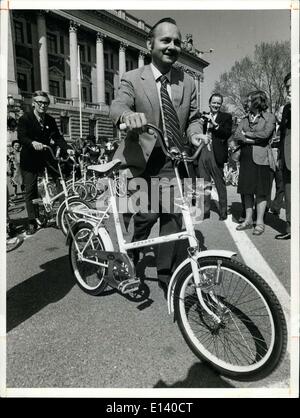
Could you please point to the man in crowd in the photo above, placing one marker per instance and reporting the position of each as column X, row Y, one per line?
column 166, row 97
column 285, row 157
column 36, row 129
column 217, row 128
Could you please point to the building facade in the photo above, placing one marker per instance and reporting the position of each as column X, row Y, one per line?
column 43, row 54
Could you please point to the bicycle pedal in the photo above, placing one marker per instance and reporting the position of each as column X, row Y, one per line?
column 129, row 285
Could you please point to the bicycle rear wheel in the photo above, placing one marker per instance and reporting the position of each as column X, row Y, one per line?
column 89, row 276
column 91, row 190
column 250, row 340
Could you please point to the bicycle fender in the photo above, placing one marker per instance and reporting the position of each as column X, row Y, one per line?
column 102, row 232
column 175, row 275
column 62, row 204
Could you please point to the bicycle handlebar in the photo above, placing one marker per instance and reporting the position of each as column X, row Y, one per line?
column 56, row 157
column 174, row 153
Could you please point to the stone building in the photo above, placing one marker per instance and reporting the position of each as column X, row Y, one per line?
column 43, row 54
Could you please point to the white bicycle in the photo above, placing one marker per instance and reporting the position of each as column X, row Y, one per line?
column 227, row 313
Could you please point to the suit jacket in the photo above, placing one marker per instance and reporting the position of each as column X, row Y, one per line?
column 285, row 136
column 138, row 93
column 30, row 130
column 261, row 130
column 220, row 136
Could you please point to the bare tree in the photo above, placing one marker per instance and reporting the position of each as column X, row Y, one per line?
column 266, row 71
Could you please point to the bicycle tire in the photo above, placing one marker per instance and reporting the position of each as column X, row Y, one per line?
column 260, row 324
column 89, row 277
column 91, row 190
column 61, row 213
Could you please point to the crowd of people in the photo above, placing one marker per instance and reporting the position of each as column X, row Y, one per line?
column 160, row 94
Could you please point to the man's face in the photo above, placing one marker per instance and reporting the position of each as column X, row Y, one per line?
column 16, row 146
column 165, row 46
column 215, row 104
column 41, row 104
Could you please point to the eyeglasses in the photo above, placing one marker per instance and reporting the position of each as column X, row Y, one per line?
column 42, row 103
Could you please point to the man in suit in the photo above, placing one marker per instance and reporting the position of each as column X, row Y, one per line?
column 217, row 128
column 141, row 99
column 285, row 157
column 35, row 129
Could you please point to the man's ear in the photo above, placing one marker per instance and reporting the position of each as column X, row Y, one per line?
column 149, row 44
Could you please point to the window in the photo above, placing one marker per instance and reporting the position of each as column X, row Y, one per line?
column 82, row 53
column 28, row 32
column 52, row 43
column 62, row 46
column 92, row 127
column 89, row 54
column 19, row 33
column 106, row 61
column 111, row 61
column 64, row 125
column 22, row 81
column 54, row 88
column 84, row 94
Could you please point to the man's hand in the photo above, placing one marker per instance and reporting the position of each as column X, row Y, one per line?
column 198, row 139
column 38, row 146
column 135, row 121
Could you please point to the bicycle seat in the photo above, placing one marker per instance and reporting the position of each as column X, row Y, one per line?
column 106, row 167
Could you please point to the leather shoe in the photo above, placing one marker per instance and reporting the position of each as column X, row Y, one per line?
column 134, row 255
column 31, row 229
column 284, row 236
column 243, row 226
column 222, row 217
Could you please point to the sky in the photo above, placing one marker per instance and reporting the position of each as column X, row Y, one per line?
column 232, row 34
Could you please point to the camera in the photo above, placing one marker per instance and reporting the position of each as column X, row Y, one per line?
column 205, row 115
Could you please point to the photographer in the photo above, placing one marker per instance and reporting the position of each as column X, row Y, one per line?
column 216, row 127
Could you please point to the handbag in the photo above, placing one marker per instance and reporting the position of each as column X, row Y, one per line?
column 236, row 154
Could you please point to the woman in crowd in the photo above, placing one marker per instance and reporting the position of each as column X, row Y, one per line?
column 254, row 132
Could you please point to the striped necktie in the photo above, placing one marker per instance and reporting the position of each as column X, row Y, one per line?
column 172, row 126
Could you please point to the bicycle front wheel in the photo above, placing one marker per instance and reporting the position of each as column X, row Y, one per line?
column 250, row 340
column 91, row 191
column 89, row 276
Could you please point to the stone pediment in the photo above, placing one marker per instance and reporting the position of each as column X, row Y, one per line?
column 56, row 72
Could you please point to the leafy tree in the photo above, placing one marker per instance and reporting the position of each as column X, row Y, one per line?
column 265, row 71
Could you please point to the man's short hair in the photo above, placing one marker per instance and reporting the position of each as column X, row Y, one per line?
column 287, row 78
column 215, row 95
column 259, row 100
column 165, row 19
column 40, row 93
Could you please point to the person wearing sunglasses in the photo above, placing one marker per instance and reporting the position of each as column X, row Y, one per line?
column 35, row 129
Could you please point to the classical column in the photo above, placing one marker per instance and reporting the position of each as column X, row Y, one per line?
column 141, row 62
column 122, row 59
column 73, row 60
column 12, row 86
column 201, row 79
column 43, row 51
column 100, row 68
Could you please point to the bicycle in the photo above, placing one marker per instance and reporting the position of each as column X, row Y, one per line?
column 50, row 201
column 227, row 314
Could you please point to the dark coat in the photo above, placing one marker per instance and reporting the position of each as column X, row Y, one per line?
column 30, row 130
column 285, row 136
column 220, row 136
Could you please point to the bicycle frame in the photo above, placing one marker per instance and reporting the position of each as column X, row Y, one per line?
column 188, row 233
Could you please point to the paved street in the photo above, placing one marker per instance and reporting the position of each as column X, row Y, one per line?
column 58, row 336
